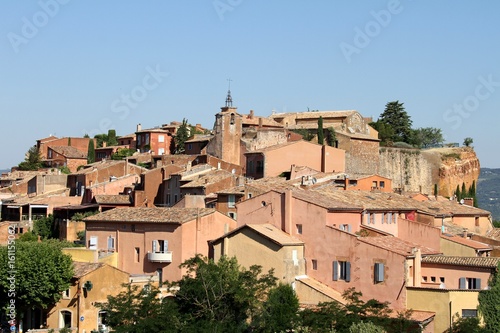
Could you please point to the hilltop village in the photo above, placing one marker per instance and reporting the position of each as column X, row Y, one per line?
column 325, row 217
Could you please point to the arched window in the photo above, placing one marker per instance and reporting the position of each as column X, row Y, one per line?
column 232, row 119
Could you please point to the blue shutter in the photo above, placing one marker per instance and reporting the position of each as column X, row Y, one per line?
column 461, row 283
column 165, row 245
column 478, row 283
column 349, row 229
column 335, row 268
column 154, row 246
column 347, row 271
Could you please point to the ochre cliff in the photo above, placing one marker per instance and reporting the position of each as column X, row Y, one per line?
column 418, row 170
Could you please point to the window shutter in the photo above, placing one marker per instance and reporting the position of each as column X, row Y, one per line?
column 341, row 227
column 349, row 228
column 111, row 242
column 461, row 283
column 165, row 245
column 155, row 246
column 93, row 242
column 379, row 272
column 347, row 271
column 478, row 283
column 335, row 268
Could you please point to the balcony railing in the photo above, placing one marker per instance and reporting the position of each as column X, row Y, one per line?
column 165, row 256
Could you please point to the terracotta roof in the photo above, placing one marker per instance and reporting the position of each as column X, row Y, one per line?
column 325, row 200
column 69, row 152
column 150, row 215
column 212, row 177
column 119, row 199
column 200, row 138
column 89, row 168
column 274, row 234
column 132, row 136
column 237, row 190
column 47, row 139
column 494, row 233
column 397, row 245
column 278, row 146
column 83, row 268
column 153, row 130
column 487, row 262
column 321, row 288
column 467, row 242
column 315, row 114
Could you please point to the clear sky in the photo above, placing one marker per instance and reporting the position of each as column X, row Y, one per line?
column 72, row 67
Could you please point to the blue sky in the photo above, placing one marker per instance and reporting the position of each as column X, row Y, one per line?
column 73, row 67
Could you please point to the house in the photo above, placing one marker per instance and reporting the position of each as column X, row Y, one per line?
column 127, row 141
column 158, row 141
column 450, row 285
column 274, row 160
column 81, row 144
column 91, row 284
column 358, row 182
column 155, row 241
column 453, row 245
column 105, row 152
column 68, row 156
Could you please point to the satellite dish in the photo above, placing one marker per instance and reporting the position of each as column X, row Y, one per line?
column 461, row 201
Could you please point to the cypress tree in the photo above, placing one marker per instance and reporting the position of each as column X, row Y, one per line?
column 457, row 193
column 488, row 304
column 321, row 133
column 112, row 138
column 464, row 193
column 91, row 152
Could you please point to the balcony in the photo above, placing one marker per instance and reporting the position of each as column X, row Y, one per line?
column 165, row 256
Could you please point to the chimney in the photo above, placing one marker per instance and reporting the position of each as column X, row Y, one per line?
column 465, row 232
column 188, row 166
column 104, row 144
column 346, row 182
column 139, row 127
column 288, row 212
column 251, row 114
column 260, row 122
column 417, row 267
column 469, row 202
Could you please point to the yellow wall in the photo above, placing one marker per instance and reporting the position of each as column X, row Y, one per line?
column 81, row 254
column 450, row 248
column 442, row 302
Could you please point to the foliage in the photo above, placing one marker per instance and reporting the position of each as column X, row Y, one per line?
column 44, row 227
column 385, row 132
column 468, row 141
column 396, row 118
column 222, row 296
column 64, row 169
column 32, row 161
column 365, row 327
column 91, row 152
column 279, row 312
column 496, row 223
column 489, row 303
column 306, row 134
column 28, row 237
column 321, row 133
column 80, row 235
column 42, row 272
column 425, row 137
column 332, row 137
column 335, row 316
column 435, row 189
column 465, row 325
column 112, row 141
column 181, row 136
column 122, row 153
column 80, row 216
column 137, row 310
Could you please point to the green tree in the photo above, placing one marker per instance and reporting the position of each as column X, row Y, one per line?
column 32, row 161
column 321, row 132
column 463, row 192
column 100, row 139
column 365, row 327
column 91, row 152
column 222, row 296
column 332, row 137
column 425, row 137
column 306, row 134
column 138, row 310
column 112, row 141
column 44, row 227
column 466, row 325
column 42, row 272
column 458, row 194
column 472, row 193
column 122, row 153
column 468, row 141
column 385, row 132
column 181, row 136
column 395, row 117
column 279, row 312
column 489, row 304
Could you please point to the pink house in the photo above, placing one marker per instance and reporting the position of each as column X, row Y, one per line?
column 155, row 241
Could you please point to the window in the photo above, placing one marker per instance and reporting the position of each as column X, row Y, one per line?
column 65, row 319
column 146, row 140
column 299, row 229
column 160, row 246
column 345, row 227
column 433, row 279
column 232, row 215
column 424, row 278
column 250, row 166
column 93, row 243
column 371, row 218
column 389, row 218
column 476, row 220
column 469, row 283
column 260, row 167
column 161, row 138
column 353, row 182
column 161, row 151
column 132, row 227
column 379, row 272
column 102, row 320
column 374, row 184
column 232, row 119
column 468, row 313
column 111, row 243
column 249, row 195
column 341, row 270
column 137, row 254
column 66, row 294
column 441, row 279
column 231, row 199
column 314, row 264
column 382, row 184
column 189, row 146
